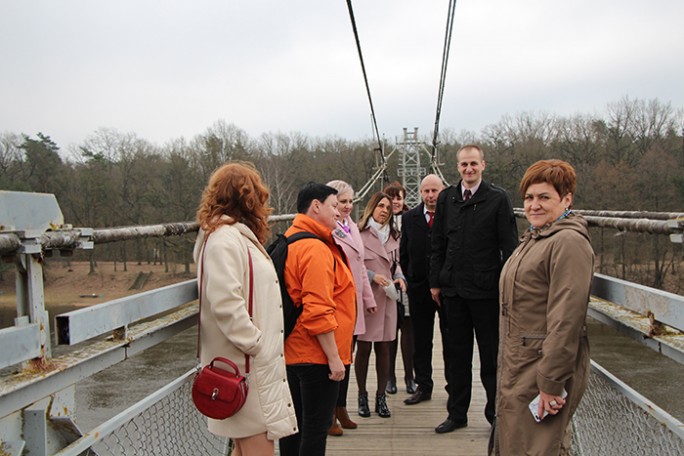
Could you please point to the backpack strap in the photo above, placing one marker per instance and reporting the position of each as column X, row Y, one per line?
column 301, row 235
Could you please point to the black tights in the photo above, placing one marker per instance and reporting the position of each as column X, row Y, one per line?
column 382, row 361
column 406, row 329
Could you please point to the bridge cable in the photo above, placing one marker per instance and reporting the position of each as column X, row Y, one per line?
column 440, row 95
column 370, row 100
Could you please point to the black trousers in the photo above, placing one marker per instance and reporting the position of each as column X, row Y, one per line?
column 314, row 396
column 423, row 310
column 463, row 317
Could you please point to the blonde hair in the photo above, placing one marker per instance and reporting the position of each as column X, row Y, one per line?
column 341, row 187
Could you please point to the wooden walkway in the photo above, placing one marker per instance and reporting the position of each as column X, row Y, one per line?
column 411, row 429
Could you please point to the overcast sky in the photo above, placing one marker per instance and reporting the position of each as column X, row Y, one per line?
column 166, row 69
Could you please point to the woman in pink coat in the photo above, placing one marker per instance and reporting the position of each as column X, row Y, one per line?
column 381, row 243
column 347, row 235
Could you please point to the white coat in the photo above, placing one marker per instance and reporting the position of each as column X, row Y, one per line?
column 227, row 331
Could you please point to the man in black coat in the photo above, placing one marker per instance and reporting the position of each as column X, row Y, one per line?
column 414, row 257
column 473, row 235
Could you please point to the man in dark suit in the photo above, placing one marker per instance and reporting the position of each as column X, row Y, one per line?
column 414, row 251
column 473, row 235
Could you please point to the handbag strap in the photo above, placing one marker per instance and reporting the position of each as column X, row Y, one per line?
column 251, row 294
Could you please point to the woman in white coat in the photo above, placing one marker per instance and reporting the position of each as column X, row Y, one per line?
column 233, row 219
column 347, row 235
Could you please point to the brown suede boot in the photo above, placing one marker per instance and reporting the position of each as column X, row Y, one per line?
column 343, row 416
column 335, row 429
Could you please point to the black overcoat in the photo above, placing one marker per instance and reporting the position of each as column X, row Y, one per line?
column 471, row 241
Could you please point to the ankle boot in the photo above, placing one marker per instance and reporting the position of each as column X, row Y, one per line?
column 364, row 411
column 335, row 429
column 381, row 406
column 343, row 416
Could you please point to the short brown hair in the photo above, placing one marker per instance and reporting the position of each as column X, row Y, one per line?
column 469, row 147
column 236, row 190
column 394, row 190
column 560, row 174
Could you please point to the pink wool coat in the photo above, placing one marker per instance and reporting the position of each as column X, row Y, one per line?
column 382, row 325
column 352, row 244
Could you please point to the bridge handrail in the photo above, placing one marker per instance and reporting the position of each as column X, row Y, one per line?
column 671, row 223
column 22, row 388
column 92, row 321
column 662, row 306
column 672, row 227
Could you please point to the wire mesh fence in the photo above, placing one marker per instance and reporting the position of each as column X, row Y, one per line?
column 610, row 422
column 171, row 426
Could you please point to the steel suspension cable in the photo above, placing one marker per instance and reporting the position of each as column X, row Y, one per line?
column 442, row 78
column 370, row 99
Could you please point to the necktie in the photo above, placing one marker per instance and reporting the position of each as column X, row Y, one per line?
column 431, row 218
column 467, row 194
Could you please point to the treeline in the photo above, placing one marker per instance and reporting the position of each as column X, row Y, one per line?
column 631, row 157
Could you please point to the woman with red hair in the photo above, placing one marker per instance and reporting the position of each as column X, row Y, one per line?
column 233, row 219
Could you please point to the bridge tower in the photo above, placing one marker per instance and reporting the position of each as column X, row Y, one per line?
column 410, row 169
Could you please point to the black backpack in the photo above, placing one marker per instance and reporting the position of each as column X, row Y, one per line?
column 278, row 252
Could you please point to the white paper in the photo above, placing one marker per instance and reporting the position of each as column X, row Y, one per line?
column 391, row 292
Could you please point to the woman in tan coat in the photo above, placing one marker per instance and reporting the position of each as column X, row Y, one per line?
column 233, row 218
column 544, row 295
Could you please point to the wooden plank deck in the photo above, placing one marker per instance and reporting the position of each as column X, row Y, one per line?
column 411, row 429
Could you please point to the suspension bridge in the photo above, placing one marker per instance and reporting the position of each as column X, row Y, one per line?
column 43, row 359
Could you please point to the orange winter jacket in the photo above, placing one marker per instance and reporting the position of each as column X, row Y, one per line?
column 317, row 277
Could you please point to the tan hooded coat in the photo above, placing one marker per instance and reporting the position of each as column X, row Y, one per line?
column 544, row 295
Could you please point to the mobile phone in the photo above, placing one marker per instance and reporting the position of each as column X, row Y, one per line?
column 534, row 407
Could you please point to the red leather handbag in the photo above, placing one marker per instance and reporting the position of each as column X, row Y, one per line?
column 219, row 393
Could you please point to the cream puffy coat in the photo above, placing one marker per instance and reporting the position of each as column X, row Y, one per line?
column 226, row 329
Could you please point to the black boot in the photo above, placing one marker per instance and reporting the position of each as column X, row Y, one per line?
column 391, row 387
column 364, row 411
column 381, row 406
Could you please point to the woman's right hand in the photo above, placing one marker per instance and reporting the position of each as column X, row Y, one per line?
column 549, row 403
column 336, row 369
column 381, row 280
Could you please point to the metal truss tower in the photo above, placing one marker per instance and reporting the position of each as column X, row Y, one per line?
column 410, row 169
